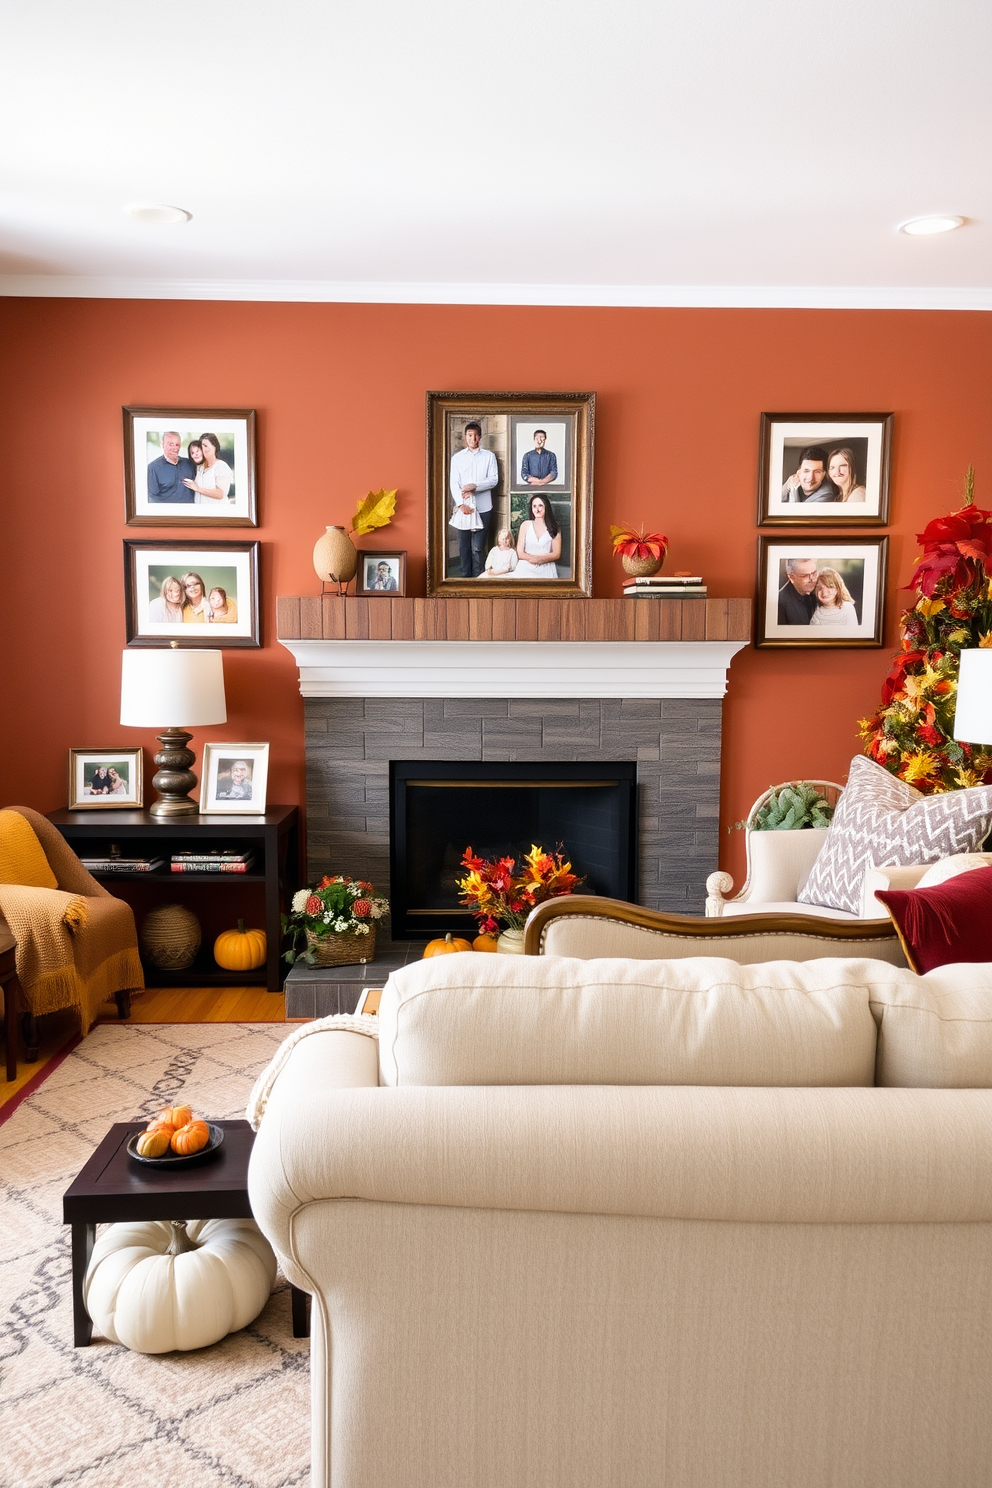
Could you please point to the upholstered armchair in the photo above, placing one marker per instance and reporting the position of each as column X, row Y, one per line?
column 76, row 943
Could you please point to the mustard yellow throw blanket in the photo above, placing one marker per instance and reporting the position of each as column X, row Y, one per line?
column 42, row 921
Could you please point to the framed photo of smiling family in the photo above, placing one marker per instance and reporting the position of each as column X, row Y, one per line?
column 509, row 493
column 196, row 593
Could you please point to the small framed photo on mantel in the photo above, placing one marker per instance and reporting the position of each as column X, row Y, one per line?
column 189, row 467
column 381, row 572
column 509, row 493
column 824, row 469
column 824, row 594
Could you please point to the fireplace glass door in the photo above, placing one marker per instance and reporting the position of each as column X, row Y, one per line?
column 438, row 808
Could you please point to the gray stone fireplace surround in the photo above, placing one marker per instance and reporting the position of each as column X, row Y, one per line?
column 674, row 740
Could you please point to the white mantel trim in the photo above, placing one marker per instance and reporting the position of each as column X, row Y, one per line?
column 514, row 669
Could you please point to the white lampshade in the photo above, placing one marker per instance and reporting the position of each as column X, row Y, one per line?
column 172, row 688
column 973, row 714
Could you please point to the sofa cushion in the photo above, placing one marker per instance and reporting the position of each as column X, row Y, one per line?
column 469, row 1019
column 22, row 857
column 946, row 923
column 880, row 820
column 935, row 1031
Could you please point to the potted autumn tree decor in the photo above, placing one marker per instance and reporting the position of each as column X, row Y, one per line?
column 501, row 896
column 335, row 921
column 912, row 731
column 641, row 553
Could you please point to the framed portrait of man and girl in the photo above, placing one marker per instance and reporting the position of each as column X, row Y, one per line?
column 509, row 493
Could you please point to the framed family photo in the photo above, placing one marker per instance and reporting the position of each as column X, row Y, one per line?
column 817, row 469
column 381, row 573
column 828, row 594
column 197, row 593
column 235, row 778
column 509, row 493
column 189, row 466
column 101, row 778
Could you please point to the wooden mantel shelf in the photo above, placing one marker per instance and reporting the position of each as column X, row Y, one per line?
column 332, row 618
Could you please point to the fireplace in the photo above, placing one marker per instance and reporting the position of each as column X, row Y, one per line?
column 439, row 807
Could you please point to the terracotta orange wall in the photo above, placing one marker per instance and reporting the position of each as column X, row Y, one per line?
column 339, row 391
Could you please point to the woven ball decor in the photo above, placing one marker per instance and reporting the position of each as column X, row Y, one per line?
column 170, row 937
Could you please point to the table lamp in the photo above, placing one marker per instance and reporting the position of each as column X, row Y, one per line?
column 169, row 689
column 973, row 713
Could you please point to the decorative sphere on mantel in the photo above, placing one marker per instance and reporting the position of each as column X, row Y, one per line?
column 335, row 556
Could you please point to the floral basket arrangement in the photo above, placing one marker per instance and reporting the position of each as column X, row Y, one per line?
column 501, row 896
column 335, row 921
column 641, row 553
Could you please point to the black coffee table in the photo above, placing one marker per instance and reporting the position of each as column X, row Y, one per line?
column 113, row 1187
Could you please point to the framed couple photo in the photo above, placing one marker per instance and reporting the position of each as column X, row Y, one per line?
column 105, row 778
column 189, row 466
column 826, row 595
column 824, row 469
column 197, row 593
column 509, row 493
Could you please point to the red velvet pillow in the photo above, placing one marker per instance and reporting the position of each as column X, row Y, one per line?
column 950, row 922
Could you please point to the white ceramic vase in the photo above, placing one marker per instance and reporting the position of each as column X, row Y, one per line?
column 511, row 943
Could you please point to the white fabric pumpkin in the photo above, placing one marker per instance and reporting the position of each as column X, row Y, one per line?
column 158, row 1285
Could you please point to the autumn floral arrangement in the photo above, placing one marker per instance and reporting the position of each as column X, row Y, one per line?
column 911, row 734
column 502, row 896
column 339, row 909
column 641, row 553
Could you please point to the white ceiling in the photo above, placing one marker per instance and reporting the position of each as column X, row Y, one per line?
column 558, row 151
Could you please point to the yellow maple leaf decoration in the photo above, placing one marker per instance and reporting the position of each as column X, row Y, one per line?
column 985, row 640
column 377, row 509
column 929, row 607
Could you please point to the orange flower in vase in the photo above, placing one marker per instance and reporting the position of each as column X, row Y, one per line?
column 641, row 553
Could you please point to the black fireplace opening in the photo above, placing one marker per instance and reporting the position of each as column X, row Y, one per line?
column 437, row 808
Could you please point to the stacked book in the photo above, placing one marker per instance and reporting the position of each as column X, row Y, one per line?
column 222, row 861
column 682, row 586
column 117, row 864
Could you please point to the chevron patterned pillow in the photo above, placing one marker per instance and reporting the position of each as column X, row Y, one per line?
column 881, row 821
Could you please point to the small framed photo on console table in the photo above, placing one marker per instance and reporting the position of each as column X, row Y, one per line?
column 824, row 469
column 235, row 778
column 101, row 778
column 826, row 594
column 509, row 493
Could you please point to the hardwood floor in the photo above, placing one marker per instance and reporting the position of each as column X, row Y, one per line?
column 156, row 1005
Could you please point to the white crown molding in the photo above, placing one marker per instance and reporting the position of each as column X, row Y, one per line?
column 514, row 669
column 684, row 296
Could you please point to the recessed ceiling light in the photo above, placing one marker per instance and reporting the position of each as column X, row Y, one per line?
column 923, row 227
column 159, row 214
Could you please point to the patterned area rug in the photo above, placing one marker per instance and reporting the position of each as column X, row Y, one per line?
column 235, row 1414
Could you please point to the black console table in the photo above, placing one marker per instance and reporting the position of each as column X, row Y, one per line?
column 273, row 836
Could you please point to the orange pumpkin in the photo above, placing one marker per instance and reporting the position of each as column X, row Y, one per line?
column 192, row 1137
column 484, row 943
column 172, row 1116
column 153, row 1143
column 446, row 946
column 240, row 949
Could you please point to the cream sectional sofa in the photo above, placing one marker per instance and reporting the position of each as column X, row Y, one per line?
column 641, row 1223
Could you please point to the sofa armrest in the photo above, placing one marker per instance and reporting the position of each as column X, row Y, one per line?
column 791, row 1155
column 888, row 878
